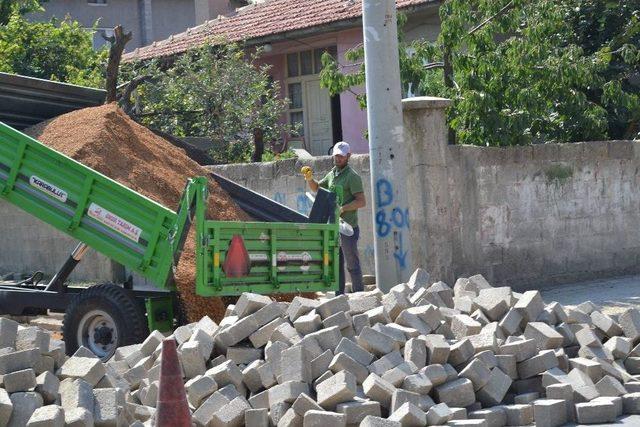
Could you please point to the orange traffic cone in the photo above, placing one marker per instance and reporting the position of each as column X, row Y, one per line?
column 172, row 409
column 237, row 263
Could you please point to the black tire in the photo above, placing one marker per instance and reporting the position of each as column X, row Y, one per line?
column 128, row 318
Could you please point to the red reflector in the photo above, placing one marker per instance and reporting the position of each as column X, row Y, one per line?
column 237, row 263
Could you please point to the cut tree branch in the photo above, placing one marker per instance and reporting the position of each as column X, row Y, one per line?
column 118, row 42
column 125, row 99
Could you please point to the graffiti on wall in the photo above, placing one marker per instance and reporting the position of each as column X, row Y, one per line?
column 391, row 219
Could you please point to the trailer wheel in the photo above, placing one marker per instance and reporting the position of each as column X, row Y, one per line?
column 103, row 318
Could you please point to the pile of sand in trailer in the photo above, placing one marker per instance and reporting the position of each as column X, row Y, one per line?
column 108, row 141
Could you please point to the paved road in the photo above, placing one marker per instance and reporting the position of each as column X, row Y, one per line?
column 614, row 295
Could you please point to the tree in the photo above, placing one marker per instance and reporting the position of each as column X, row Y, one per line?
column 56, row 50
column 527, row 71
column 21, row 7
column 216, row 91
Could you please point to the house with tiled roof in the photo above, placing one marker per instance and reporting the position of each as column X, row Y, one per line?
column 293, row 35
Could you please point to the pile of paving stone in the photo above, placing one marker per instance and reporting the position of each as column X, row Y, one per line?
column 423, row 354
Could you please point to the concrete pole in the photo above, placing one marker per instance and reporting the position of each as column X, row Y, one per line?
column 387, row 152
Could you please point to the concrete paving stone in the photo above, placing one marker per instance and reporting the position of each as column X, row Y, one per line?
column 332, row 306
column 83, row 351
column 437, row 374
column 457, row 393
column 590, row 367
column 378, row 315
column 76, row 393
column 296, row 364
column 526, row 398
column 32, row 337
column 615, row 400
column 269, row 312
column 452, row 374
column 273, row 355
column 495, row 417
column 370, row 421
column 379, row 390
column 267, row 378
column 400, row 397
column 340, row 388
column 605, row 324
column 444, row 292
column 527, row 386
column 204, row 414
column 249, row 303
column 417, row 383
column 495, row 389
column 585, row 393
column 359, row 322
column 530, row 305
column 511, row 322
column 469, row 423
column 376, row 342
column 409, row 415
column 397, row 375
column 550, row 412
column 229, row 391
column 290, row 419
column 191, row 359
column 287, row 392
column 539, row 363
column 494, row 302
column 595, row 353
column 19, row 381
column 569, row 338
column 304, row 403
column 586, row 337
column 24, row 405
column 595, row 412
column 631, row 364
column 631, row 403
column 356, row 352
column 18, row 360
column 153, row 340
column 323, row 419
column 559, row 311
column 394, row 302
column 286, row 334
column 108, row 406
column 200, row 388
column 205, row 342
column 322, row 378
column 320, row 364
column 225, row 374
column 426, row 402
column 396, row 332
column 477, row 372
column 260, row 337
column 439, row 414
column 8, row 332
column 89, row 369
column 620, row 347
column 576, row 316
column 461, row 352
column 308, row 323
column 340, row 319
column 356, row 412
column 258, row 400
column 277, row 412
column 6, row 407
column 465, row 304
column 300, row 306
column 463, row 325
column 251, row 377
column 408, row 318
column 328, row 338
column 256, row 417
column 419, row 279
column 151, row 396
column 518, row 415
column 438, row 349
column 47, row 385
column 78, row 417
column 47, row 416
column 629, row 321
column 342, row 362
column 632, row 386
column 362, row 304
column 231, row 414
column 133, row 376
column 587, row 307
column 544, row 335
column 237, row 332
column 386, row 363
column 458, row 413
column 523, row 350
column 507, row 363
column 480, row 317
column 483, row 342
column 464, row 287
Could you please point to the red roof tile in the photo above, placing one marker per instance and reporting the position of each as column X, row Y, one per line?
column 268, row 18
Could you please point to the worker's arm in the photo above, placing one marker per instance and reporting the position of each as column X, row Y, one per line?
column 307, row 172
column 313, row 185
column 358, row 203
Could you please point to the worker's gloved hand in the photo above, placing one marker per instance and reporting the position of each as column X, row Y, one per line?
column 307, row 172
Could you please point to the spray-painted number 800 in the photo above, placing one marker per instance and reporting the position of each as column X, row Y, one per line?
column 398, row 217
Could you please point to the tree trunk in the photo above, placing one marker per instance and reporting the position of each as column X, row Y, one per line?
column 118, row 42
column 448, row 82
column 258, row 142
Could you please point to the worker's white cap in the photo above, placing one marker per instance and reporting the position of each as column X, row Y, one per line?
column 341, row 149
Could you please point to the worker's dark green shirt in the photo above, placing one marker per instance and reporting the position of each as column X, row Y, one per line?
column 351, row 184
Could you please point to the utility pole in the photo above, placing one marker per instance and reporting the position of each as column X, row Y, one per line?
column 386, row 144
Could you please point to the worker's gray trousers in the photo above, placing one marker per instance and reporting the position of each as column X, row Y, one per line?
column 349, row 246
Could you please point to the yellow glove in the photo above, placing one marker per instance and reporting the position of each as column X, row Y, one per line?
column 307, row 172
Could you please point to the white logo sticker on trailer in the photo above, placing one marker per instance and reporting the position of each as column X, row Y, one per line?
column 50, row 189
column 113, row 221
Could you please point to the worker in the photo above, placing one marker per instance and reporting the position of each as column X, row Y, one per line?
column 353, row 199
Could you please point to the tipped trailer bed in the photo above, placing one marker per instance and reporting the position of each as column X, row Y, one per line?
column 283, row 252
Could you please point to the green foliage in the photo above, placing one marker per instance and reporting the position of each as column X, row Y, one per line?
column 20, row 7
column 56, row 50
column 217, row 92
column 528, row 71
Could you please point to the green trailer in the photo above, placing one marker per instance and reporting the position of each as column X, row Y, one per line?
column 231, row 257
